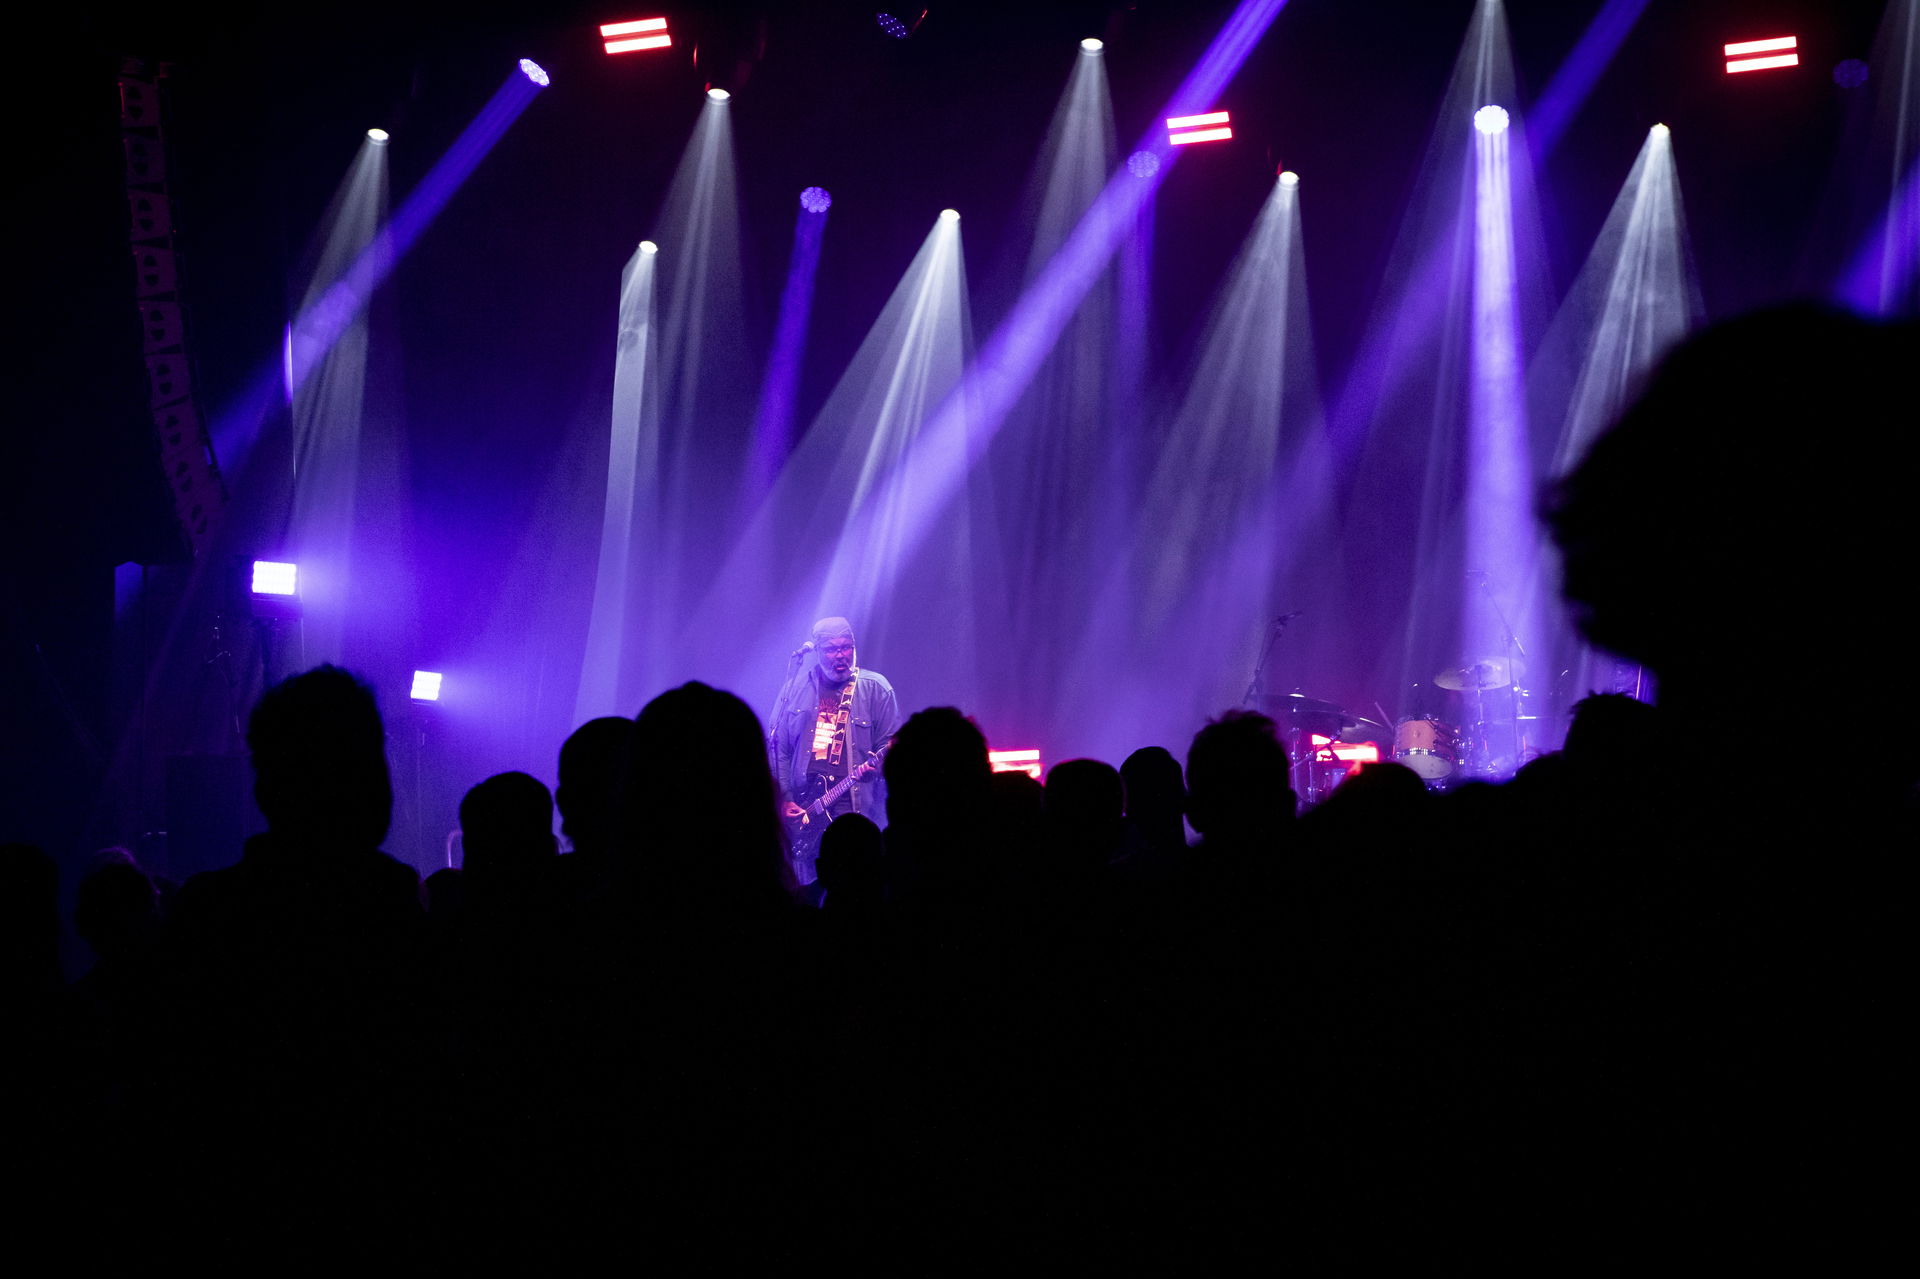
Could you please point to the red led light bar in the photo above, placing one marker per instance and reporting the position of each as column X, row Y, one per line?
column 1736, row 62
column 630, row 37
column 1027, row 762
column 1182, row 129
column 1327, row 750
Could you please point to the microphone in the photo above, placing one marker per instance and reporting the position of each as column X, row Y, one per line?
column 802, row 651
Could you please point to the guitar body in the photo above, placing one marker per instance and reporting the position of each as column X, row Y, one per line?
column 816, row 801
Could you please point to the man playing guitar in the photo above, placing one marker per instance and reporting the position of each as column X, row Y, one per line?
column 830, row 724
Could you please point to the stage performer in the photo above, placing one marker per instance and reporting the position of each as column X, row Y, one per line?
column 829, row 724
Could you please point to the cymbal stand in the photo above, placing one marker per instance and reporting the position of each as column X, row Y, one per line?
column 1516, row 662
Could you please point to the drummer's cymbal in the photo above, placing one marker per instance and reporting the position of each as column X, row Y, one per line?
column 1306, row 714
column 1299, row 704
column 1483, row 673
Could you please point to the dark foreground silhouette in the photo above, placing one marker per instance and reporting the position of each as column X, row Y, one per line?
column 1604, row 1013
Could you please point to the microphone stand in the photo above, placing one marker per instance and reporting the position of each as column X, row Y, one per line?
column 1274, row 633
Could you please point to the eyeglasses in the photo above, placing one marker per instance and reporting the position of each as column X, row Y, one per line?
column 836, row 650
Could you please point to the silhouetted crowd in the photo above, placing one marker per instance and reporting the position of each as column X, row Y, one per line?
column 1640, row 1004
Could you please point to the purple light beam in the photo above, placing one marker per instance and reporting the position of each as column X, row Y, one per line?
column 958, row 433
column 773, row 426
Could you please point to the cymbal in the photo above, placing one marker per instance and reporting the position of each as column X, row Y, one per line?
column 1483, row 673
column 1306, row 714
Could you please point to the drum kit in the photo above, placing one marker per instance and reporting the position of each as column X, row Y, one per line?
column 1486, row 731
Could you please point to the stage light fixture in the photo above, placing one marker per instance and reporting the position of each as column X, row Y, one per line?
column 1213, row 126
column 816, row 200
column 1143, row 164
column 649, row 247
column 426, row 686
column 1288, row 178
column 1091, row 45
column 1660, row 131
column 273, row 578
column 897, row 27
column 1490, row 120
column 632, row 37
column 535, row 72
column 949, row 215
column 377, row 135
column 717, row 94
column 1850, row 74
column 1739, row 54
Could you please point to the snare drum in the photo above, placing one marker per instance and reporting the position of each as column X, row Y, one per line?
column 1427, row 746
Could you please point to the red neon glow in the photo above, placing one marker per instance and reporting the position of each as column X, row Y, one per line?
column 1023, row 761
column 1762, row 64
column 654, row 24
column 1200, row 135
column 639, row 42
column 1326, row 750
column 1763, row 46
column 641, row 33
column 1194, row 130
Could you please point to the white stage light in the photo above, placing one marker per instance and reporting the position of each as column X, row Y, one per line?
column 648, row 246
column 377, row 135
column 1091, row 45
column 718, row 95
column 949, row 215
column 1490, row 120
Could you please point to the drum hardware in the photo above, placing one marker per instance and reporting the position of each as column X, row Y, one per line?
column 1479, row 675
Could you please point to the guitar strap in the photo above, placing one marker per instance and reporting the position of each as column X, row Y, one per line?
column 842, row 717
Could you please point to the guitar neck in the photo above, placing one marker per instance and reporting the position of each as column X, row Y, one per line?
column 841, row 787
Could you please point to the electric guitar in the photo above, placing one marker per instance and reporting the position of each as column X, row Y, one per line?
column 805, row 830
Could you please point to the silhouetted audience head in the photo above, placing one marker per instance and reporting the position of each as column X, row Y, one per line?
column 1612, row 727
column 851, row 864
column 594, row 763
column 116, row 910
column 506, row 825
column 701, row 802
column 1086, row 809
column 937, row 770
column 1156, row 792
column 320, row 760
column 1383, row 791
column 1237, row 785
column 1767, row 466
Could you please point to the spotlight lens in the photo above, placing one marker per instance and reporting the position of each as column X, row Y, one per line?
column 1143, row 164
column 1490, row 119
column 534, row 72
column 949, row 215
column 648, row 246
column 893, row 26
column 1850, row 74
column 1289, row 179
column 426, row 686
column 718, row 95
column 1092, row 45
column 270, row 578
column 377, row 135
column 816, row 200
column 1660, row 131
